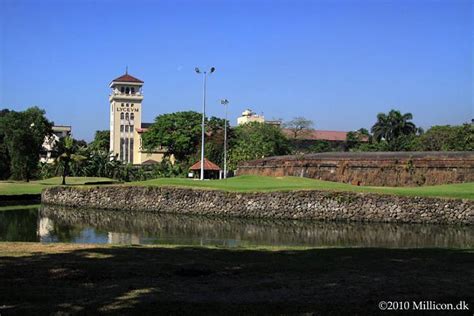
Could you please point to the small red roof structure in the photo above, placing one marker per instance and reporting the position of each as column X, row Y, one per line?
column 208, row 165
column 127, row 78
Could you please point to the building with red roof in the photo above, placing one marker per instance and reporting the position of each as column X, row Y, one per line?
column 211, row 170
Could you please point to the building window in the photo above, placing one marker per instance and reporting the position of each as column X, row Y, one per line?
column 132, row 116
column 122, row 148
column 126, row 116
column 127, row 90
column 126, row 128
column 121, row 116
column 131, row 150
column 127, row 149
column 121, row 128
column 131, row 105
column 122, row 104
column 133, row 90
column 122, row 90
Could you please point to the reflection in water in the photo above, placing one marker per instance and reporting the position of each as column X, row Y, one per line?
column 59, row 224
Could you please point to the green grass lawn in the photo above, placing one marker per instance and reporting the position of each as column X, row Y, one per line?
column 254, row 184
column 262, row 184
column 35, row 187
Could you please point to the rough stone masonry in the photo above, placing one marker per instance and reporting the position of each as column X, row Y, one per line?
column 370, row 168
column 311, row 204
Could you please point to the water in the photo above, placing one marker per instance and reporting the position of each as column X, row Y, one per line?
column 57, row 224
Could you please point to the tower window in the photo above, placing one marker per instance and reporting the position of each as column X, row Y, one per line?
column 132, row 116
column 121, row 116
column 127, row 90
column 133, row 90
column 122, row 89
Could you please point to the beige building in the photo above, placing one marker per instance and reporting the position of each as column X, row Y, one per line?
column 126, row 126
column 47, row 152
column 250, row 116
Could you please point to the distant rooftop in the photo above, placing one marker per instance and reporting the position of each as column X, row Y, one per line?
column 315, row 134
column 127, row 78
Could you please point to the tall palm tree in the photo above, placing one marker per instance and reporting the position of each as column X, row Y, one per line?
column 393, row 125
column 67, row 154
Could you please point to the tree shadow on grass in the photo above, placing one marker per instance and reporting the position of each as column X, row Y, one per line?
column 152, row 280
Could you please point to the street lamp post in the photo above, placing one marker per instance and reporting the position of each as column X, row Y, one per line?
column 225, row 102
column 204, row 73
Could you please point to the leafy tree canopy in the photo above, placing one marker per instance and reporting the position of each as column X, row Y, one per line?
column 101, row 141
column 391, row 126
column 447, row 138
column 24, row 134
column 179, row 132
column 4, row 156
column 257, row 140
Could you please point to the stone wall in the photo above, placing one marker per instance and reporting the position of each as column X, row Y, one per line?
column 378, row 169
column 317, row 205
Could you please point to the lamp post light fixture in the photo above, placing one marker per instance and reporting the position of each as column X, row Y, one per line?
column 204, row 75
column 225, row 102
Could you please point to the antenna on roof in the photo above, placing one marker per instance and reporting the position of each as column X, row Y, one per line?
column 126, row 70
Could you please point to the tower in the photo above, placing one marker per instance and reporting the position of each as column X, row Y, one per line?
column 125, row 117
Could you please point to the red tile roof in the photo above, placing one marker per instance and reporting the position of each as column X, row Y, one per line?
column 319, row 135
column 127, row 78
column 208, row 165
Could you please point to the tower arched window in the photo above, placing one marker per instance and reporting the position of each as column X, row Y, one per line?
column 133, row 90
column 122, row 89
column 132, row 116
column 127, row 90
column 121, row 116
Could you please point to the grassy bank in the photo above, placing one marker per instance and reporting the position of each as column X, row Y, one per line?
column 254, row 184
column 67, row 278
column 262, row 184
column 35, row 187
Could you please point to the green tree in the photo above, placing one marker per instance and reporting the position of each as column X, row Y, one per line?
column 391, row 126
column 179, row 132
column 24, row 134
column 101, row 141
column 4, row 156
column 67, row 153
column 257, row 140
column 356, row 138
column 215, row 140
column 447, row 138
column 321, row 146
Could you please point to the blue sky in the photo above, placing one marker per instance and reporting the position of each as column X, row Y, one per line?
column 337, row 62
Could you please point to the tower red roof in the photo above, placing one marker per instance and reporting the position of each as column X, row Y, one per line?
column 127, row 78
